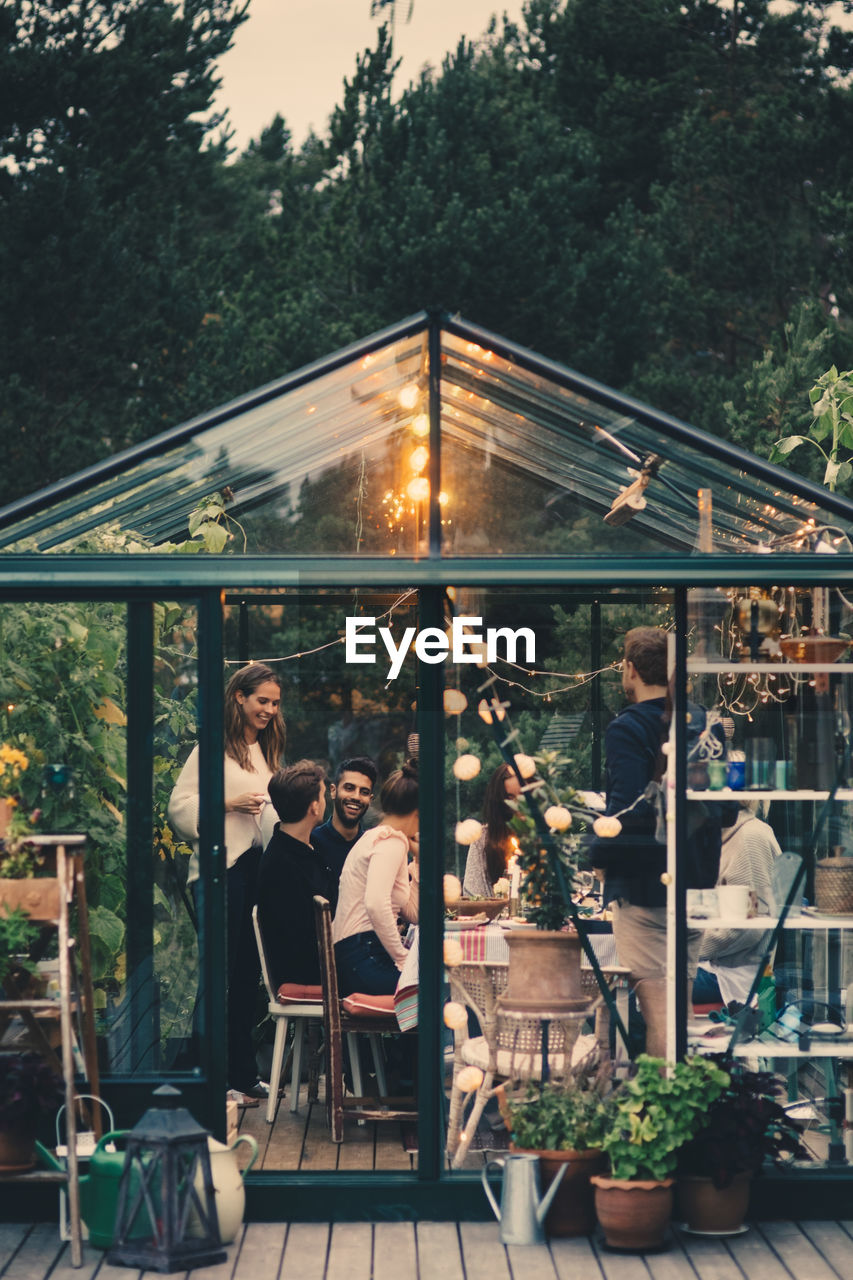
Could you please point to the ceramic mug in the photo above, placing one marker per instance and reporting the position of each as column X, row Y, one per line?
column 733, row 900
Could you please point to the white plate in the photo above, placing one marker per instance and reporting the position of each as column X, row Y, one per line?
column 467, row 922
column 691, row 1231
column 516, row 924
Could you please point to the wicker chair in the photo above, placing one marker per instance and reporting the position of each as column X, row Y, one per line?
column 355, row 1014
column 510, row 1046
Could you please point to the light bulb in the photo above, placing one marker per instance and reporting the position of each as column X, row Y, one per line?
column 419, row 458
column 408, row 395
column 420, row 425
column 418, row 489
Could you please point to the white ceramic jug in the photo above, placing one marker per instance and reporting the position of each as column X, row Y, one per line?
column 228, row 1185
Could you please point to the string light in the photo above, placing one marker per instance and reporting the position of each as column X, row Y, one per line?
column 306, row 653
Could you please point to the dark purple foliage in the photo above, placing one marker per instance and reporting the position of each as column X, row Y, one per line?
column 745, row 1126
column 29, row 1089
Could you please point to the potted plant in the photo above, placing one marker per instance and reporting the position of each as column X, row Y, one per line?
column 655, row 1113
column 17, row 935
column 13, row 762
column 544, row 965
column 744, row 1127
column 564, row 1122
column 30, row 1090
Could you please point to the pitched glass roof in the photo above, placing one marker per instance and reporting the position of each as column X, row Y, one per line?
column 334, row 460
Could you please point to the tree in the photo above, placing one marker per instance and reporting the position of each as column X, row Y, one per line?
column 110, row 203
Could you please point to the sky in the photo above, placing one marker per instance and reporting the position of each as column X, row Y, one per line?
column 291, row 56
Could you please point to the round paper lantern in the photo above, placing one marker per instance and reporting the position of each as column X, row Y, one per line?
column 452, row 890
column 606, row 828
column 466, row 767
column 455, row 702
column 455, row 1015
column 558, row 817
column 452, row 952
column 469, row 1079
column 526, row 765
column 485, row 709
column 468, row 831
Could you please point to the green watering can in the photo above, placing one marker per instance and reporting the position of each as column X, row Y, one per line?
column 99, row 1187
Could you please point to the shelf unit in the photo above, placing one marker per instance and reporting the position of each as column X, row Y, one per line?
column 75, row 997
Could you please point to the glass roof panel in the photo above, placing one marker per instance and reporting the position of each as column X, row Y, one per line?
column 535, row 460
column 533, row 466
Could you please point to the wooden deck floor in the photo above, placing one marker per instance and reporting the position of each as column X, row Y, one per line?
column 467, row 1251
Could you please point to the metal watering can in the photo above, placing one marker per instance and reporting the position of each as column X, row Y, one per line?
column 522, row 1209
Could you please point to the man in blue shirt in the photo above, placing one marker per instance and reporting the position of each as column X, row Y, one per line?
column 351, row 794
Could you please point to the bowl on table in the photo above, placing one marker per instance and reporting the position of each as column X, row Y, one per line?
column 490, row 907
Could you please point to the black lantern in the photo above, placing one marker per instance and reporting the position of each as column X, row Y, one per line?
column 165, row 1220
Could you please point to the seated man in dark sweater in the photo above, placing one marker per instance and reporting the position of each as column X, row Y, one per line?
column 351, row 794
column 291, row 873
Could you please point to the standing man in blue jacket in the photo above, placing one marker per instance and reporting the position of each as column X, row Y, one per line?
column 634, row 861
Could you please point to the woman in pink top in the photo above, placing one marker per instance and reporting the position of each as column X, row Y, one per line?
column 378, row 884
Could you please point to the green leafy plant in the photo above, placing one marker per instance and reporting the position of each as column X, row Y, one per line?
column 547, row 849
column 656, row 1114
column 744, row 1126
column 17, row 935
column 831, row 428
column 570, row 1115
column 29, row 1090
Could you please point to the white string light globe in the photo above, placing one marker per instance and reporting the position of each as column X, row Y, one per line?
column 452, row 890
column 455, row 702
column 526, row 765
column 558, row 817
column 466, row 767
column 452, row 953
column 607, row 827
column 468, row 831
column 455, row 1015
column 469, row 1079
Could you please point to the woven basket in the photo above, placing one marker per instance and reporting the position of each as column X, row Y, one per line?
column 833, row 886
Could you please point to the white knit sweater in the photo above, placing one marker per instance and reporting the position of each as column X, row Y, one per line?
column 242, row 830
column 747, row 854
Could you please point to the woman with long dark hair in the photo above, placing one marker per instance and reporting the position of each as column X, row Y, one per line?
column 487, row 856
column 378, row 884
column 254, row 746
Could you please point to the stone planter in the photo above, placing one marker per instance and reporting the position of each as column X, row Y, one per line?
column 633, row 1215
column 544, row 973
column 572, row 1211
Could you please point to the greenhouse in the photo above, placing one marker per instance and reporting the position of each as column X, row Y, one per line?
column 438, row 540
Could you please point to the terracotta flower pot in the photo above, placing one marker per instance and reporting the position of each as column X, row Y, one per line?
column 17, row 1151
column 701, row 1206
column 572, row 1211
column 633, row 1215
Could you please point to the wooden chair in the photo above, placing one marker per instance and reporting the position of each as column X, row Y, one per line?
column 355, row 1014
column 291, row 1003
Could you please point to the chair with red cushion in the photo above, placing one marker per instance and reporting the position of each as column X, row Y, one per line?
column 355, row 1014
column 291, row 1003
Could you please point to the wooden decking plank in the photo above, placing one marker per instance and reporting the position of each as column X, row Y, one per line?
column 673, row 1263
column 710, row 1259
column 92, row 1259
column 12, row 1236
column 620, row 1266
column 358, row 1149
column 318, row 1152
column 37, row 1254
column 394, row 1251
column 260, row 1251
column 531, row 1262
column 755, row 1257
column 483, row 1255
column 439, row 1251
column 390, row 1152
column 573, row 1257
column 834, row 1244
column 219, row 1271
column 107, row 1271
column 350, row 1251
column 305, row 1252
column 796, row 1251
